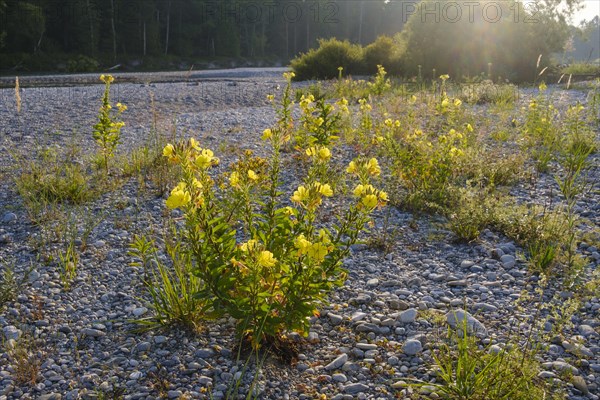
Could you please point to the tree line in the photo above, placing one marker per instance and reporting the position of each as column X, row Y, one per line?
column 190, row 28
column 111, row 31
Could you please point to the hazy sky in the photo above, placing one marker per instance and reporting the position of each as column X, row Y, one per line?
column 590, row 10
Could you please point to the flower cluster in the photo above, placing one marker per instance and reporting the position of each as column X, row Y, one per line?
column 311, row 195
column 315, row 250
column 107, row 78
column 363, row 168
column 369, row 196
column 255, row 250
column 319, row 152
column 196, row 161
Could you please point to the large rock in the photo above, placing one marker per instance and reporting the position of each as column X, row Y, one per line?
column 456, row 319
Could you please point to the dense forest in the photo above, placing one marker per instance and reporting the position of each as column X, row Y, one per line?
column 190, row 28
column 79, row 35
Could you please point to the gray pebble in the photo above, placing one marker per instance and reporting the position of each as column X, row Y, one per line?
column 337, row 363
column 412, row 347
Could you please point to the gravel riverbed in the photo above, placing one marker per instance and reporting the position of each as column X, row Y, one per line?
column 377, row 332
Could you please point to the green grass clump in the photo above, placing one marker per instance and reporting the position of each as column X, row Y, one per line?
column 172, row 287
column 489, row 92
column 468, row 371
column 582, row 69
column 9, row 287
column 52, row 178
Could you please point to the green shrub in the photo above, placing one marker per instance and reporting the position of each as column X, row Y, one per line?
column 323, row 62
column 82, row 63
column 470, row 215
column 384, row 51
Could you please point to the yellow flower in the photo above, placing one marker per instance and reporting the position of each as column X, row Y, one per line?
column 317, row 251
column 106, row 78
column 249, row 245
column 300, row 195
column 369, row 201
column 373, row 167
column 543, row 87
column 179, row 197
column 444, row 77
column 470, row 128
column 266, row 259
column 351, row 167
column 270, row 97
column 168, row 150
column 359, row 190
column 194, row 144
column 267, row 134
column 205, row 159
column 326, row 190
column 302, row 244
column 121, row 107
column 289, row 75
column 457, row 102
column 445, row 103
column 324, row 154
column 234, row 178
column 289, row 211
column 197, row 183
column 252, row 175
column 311, row 151
column 324, row 236
column 319, row 121
column 383, row 196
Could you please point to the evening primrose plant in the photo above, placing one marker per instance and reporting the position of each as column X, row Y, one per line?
column 321, row 122
column 540, row 136
column 380, row 84
column 426, row 164
column 107, row 132
column 266, row 258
